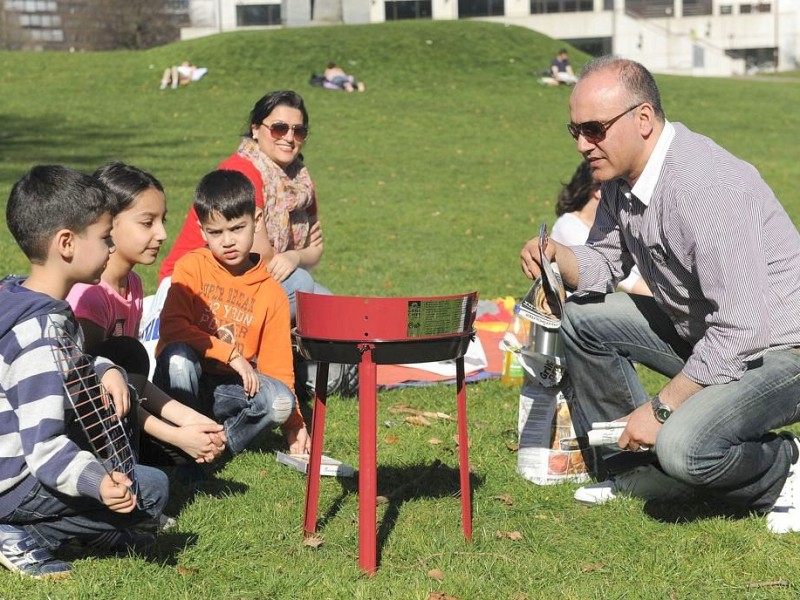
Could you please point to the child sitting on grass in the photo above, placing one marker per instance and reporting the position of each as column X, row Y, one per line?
column 52, row 491
column 111, row 311
column 224, row 343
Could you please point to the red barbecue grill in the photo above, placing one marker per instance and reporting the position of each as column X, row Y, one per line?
column 369, row 332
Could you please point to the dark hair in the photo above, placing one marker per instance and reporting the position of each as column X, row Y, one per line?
column 268, row 103
column 636, row 80
column 126, row 181
column 575, row 194
column 53, row 197
column 228, row 193
column 331, row 65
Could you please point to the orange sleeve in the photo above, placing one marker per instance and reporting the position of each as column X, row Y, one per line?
column 183, row 310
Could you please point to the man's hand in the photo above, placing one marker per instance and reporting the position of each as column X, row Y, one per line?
column 641, row 431
column 529, row 257
column 284, row 264
column 247, row 373
column 299, row 441
column 116, row 494
column 115, row 384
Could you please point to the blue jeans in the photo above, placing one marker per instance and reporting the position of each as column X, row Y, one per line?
column 301, row 281
column 720, row 440
column 52, row 519
column 222, row 397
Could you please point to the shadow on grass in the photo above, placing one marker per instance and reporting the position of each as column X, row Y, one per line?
column 683, row 513
column 187, row 481
column 166, row 551
column 397, row 485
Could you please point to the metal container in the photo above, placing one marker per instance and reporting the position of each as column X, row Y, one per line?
column 547, row 341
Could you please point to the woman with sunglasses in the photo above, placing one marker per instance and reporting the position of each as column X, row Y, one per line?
column 269, row 156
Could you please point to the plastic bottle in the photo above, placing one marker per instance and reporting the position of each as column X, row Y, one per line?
column 515, row 339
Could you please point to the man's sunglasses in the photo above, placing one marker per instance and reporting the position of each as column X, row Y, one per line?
column 595, row 131
column 279, row 129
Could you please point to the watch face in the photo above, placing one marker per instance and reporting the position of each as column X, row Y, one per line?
column 661, row 411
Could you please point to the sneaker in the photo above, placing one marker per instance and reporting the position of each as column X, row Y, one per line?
column 784, row 517
column 122, row 541
column 647, row 482
column 596, row 493
column 20, row 553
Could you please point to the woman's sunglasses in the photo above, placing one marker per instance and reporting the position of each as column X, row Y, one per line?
column 279, row 129
column 595, row 131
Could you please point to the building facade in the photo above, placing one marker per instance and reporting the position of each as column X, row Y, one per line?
column 689, row 37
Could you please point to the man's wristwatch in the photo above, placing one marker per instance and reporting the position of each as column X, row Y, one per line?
column 660, row 410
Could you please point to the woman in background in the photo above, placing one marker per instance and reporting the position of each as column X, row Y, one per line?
column 269, row 156
column 576, row 209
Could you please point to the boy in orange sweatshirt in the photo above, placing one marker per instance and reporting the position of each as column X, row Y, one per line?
column 224, row 345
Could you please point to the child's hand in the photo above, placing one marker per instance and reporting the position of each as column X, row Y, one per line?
column 201, row 441
column 116, row 494
column 284, row 264
column 299, row 441
column 247, row 373
column 118, row 389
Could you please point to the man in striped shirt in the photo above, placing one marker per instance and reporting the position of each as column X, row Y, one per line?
column 723, row 323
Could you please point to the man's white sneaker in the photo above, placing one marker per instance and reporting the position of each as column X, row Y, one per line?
column 784, row 517
column 596, row 493
column 647, row 482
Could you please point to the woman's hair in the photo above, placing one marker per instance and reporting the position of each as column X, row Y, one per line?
column 268, row 103
column 575, row 194
column 126, row 181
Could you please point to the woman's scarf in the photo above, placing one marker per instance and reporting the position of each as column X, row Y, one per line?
column 287, row 197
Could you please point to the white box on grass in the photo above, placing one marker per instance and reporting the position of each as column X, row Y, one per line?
column 330, row 467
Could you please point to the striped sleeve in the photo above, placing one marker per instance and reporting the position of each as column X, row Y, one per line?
column 35, row 402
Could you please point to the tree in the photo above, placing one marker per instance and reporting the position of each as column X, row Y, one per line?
column 120, row 24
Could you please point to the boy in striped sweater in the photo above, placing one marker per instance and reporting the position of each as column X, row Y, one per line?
column 52, row 491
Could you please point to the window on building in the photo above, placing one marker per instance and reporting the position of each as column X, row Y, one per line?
column 32, row 5
column 481, row 8
column 696, row 8
column 726, row 9
column 745, row 9
column 407, row 9
column 249, row 15
column 559, row 6
column 47, row 35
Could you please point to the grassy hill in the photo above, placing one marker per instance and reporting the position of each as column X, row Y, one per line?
column 454, row 151
column 429, row 183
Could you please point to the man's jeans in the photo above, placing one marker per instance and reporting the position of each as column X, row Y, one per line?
column 222, row 397
column 719, row 440
column 53, row 519
column 300, row 280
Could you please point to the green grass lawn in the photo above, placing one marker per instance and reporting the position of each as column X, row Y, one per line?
column 429, row 183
